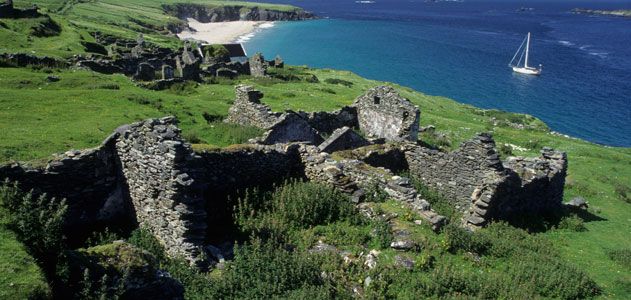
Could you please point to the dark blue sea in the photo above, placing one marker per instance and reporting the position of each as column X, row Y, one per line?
column 461, row 50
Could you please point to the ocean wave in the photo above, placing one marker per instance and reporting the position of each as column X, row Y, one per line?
column 246, row 37
column 584, row 47
column 267, row 25
column 599, row 54
column 566, row 43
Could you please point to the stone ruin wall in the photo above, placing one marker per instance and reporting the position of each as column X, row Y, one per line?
column 89, row 181
column 456, row 174
column 158, row 170
column 247, row 109
column 355, row 177
column 327, row 122
column 482, row 188
column 147, row 172
column 228, row 173
column 383, row 113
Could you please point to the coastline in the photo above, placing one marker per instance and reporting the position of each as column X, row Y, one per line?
column 223, row 32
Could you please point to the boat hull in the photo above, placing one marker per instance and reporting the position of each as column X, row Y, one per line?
column 527, row 71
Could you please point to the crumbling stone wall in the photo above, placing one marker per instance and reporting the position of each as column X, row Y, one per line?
column 327, row 122
column 290, row 127
column 482, row 188
column 541, row 182
column 258, row 65
column 228, row 173
column 456, row 174
column 167, row 200
column 383, row 113
column 355, row 177
column 281, row 127
column 89, row 181
column 342, row 139
column 247, row 109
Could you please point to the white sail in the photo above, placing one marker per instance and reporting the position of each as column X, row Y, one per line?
column 525, row 53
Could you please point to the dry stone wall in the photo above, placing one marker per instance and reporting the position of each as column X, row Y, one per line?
column 158, row 170
column 89, row 181
column 383, row 113
column 355, row 177
column 456, row 174
column 247, row 109
column 482, row 188
column 327, row 122
column 228, row 173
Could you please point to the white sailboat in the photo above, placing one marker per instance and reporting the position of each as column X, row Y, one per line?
column 524, row 52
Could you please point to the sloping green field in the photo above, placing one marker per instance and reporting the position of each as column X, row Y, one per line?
column 39, row 118
column 78, row 19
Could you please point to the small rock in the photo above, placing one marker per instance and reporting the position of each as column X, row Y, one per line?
column 404, row 262
column 371, row 259
column 578, row 202
column 403, row 245
column 322, row 247
column 52, row 78
column 367, row 281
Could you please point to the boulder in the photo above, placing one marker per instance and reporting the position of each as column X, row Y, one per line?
column 342, row 139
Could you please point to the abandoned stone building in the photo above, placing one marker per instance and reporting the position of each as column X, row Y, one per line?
column 145, row 173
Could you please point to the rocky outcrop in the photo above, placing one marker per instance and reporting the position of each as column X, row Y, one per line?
column 224, row 13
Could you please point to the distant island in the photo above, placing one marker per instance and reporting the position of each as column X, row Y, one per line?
column 618, row 13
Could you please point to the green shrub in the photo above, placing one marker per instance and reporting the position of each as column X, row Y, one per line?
column 505, row 150
column 621, row 257
column 143, row 239
column 439, row 203
column 343, row 82
column 38, row 223
column 344, row 233
column 458, row 238
column 263, row 270
column 191, row 137
column 623, row 192
column 382, row 233
column 376, row 194
column 102, row 237
column 295, row 205
column 572, row 223
column 211, row 118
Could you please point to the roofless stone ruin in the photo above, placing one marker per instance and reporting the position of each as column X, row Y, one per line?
column 145, row 172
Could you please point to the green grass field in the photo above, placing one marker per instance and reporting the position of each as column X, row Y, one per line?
column 78, row 19
column 39, row 118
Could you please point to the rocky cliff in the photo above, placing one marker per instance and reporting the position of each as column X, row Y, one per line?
column 206, row 14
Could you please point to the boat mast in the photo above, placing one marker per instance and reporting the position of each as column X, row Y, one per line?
column 527, row 48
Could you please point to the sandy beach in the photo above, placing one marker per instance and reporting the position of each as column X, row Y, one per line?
column 220, row 32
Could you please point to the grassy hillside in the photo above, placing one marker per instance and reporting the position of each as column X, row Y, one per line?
column 81, row 109
column 77, row 19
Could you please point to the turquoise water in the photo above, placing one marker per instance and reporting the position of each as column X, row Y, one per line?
column 461, row 51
